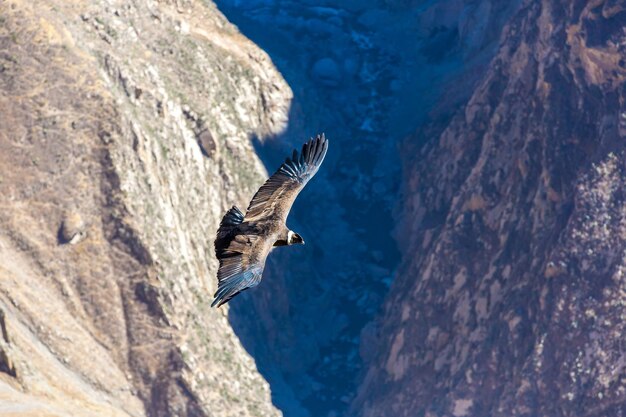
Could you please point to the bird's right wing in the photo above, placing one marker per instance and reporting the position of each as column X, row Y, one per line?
column 275, row 197
column 241, row 267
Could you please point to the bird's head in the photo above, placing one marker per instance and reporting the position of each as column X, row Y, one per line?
column 294, row 239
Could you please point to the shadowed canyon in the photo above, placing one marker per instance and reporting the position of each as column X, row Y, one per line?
column 465, row 238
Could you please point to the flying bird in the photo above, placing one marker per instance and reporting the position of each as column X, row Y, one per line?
column 243, row 242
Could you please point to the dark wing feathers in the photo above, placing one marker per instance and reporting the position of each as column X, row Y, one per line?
column 239, row 246
column 236, row 272
column 275, row 197
column 233, row 217
column 233, row 285
column 239, row 269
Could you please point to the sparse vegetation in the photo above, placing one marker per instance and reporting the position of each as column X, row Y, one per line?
column 149, row 206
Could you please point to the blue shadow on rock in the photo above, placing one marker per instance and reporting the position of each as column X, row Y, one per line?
column 302, row 324
column 366, row 77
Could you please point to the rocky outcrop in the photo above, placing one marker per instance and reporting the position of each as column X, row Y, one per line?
column 125, row 134
column 510, row 298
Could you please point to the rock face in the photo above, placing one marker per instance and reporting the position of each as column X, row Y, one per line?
column 125, row 136
column 109, row 206
column 303, row 325
column 510, row 300
column 326, row 71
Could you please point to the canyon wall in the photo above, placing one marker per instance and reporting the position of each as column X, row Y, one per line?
column 125, row 134
column 366, row 73
column 510, row 297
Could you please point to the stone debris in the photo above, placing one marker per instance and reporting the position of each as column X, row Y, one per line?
column 73, row 228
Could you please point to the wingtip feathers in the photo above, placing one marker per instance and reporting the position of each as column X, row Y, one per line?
column 314, row 150
column 230, row 286
column 312, row 153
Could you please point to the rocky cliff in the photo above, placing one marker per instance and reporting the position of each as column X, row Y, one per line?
column 510, row 298
column 124, row 135
column 366, row 72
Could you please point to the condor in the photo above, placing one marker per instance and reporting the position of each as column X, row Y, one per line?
column 243, row 242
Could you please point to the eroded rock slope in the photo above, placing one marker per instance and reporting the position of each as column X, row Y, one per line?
column 510, row 300
column 124, row 135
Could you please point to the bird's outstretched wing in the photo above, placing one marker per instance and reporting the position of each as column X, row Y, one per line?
column 275, row 198
column 240, row 247
column 241, row 266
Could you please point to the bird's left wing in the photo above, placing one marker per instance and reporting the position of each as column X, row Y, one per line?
column 241, row 267
column 275, row 197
